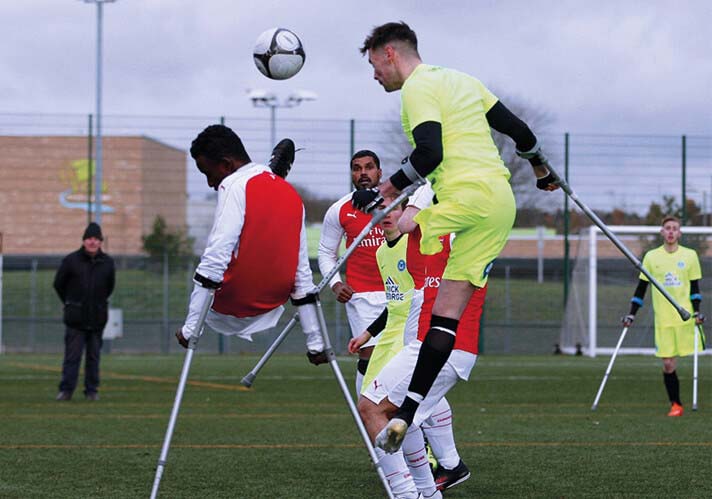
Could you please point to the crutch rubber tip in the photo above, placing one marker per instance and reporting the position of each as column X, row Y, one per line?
column 247, row 380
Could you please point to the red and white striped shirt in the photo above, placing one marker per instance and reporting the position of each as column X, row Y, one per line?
column 343, row 220
column 257, row 246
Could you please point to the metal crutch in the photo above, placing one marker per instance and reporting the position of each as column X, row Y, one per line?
column 192, row 344
column 608, row 370
column 331, row 356
column 378, row 215
column 695, row 362
column 684, row 314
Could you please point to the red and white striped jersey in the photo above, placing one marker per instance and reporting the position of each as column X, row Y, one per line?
column 343, row 220
column 468, row 329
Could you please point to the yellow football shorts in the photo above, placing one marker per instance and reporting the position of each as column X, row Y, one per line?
column 481, row 214
column 677, row 341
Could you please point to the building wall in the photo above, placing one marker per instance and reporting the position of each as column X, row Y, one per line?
column 43, row 192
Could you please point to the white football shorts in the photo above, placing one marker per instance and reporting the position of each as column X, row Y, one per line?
column 394, row 378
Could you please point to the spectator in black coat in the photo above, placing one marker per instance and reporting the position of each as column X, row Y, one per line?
column 84, row 282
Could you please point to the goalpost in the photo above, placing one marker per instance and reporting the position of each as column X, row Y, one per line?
column 603, row 282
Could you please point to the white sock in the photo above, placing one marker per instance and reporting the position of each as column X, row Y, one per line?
column 399, row 478
column 438, row 431
column 417, row 460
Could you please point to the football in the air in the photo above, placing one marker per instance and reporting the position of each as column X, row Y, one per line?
column 279, row 54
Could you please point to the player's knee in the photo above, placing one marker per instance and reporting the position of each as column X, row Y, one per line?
column 366, row 408
column 669, row 365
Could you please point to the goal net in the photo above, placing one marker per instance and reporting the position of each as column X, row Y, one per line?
column 603, row 281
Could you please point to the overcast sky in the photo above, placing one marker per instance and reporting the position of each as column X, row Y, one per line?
column 597, row 67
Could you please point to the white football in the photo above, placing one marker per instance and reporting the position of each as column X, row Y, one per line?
column 279, row 54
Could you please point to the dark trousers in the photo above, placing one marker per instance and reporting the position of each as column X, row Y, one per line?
column 74, row 342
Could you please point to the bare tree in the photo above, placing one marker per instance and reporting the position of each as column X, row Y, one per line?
column 522, row 179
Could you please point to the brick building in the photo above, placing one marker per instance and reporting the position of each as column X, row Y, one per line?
column 44, row 196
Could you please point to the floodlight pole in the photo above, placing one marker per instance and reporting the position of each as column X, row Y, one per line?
column 99, row 151
column 261, row 98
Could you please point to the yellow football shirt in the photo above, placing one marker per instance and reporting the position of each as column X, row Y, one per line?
column 459, row 102
column 673, row 271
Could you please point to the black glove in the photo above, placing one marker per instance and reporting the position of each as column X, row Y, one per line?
column 317, row 358
column 627, row 320
column 544, row 182
column 366, row 200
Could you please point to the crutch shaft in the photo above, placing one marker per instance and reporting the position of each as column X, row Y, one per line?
column 609, row 369
column 250, row 377
column 349, row 401
column 684, row 314
column 698, row 331
column 192, row 344
column 172, row 422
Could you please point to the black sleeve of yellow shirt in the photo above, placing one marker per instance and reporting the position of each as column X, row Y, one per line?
column 505, row 121
column 426, row 156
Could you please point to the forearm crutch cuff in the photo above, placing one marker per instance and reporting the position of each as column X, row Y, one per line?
column 309, row 298
column 205, row 282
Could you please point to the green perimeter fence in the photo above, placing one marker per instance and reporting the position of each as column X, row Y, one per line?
column 617, row 175
column 522, row 314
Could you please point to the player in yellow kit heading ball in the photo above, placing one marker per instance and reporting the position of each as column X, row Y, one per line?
column 448, row 116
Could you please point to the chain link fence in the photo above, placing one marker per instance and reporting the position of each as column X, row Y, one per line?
column 525, row 305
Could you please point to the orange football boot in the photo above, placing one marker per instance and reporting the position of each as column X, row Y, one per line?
column 676, row 410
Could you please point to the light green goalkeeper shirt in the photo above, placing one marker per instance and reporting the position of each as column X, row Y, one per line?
column 673, row 271
column 459, row 102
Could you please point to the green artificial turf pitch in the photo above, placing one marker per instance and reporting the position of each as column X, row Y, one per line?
column 523, row 425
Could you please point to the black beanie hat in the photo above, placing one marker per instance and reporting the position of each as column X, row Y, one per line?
column 93, row 230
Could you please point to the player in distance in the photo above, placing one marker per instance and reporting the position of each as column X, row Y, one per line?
column 677, row 268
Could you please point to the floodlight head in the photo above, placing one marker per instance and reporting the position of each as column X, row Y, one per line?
column 296, row 98
column 304, row 95
column 261, row 97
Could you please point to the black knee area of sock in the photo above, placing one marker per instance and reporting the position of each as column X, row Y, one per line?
column 433, row 355
column 441, row 335
column 444, row 322
column 362, row 366
column 672, row 385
